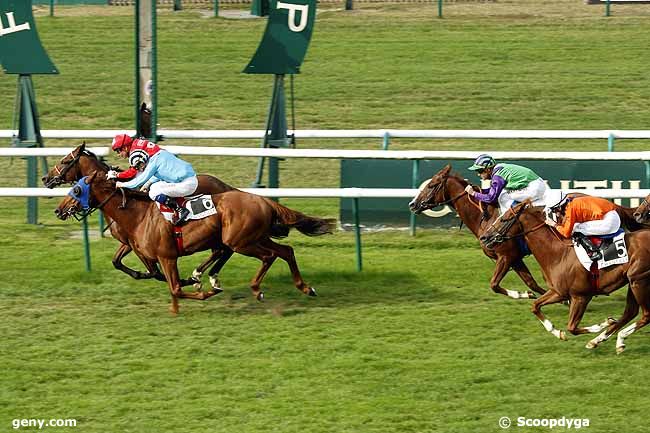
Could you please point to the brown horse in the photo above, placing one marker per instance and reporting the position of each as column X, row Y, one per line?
column 82, row 162
column 244, row 223
column 447, row 188
column 567, row 279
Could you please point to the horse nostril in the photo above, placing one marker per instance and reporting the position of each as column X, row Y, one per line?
column 57, row 212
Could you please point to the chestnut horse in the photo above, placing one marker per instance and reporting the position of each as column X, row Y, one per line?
column 244, row 223
column 567, row 279
column 447, row 188
column 82, row 162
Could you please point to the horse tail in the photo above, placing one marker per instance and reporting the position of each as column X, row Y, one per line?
column 285, row 218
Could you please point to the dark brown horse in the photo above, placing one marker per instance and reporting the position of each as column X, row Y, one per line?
column 567, row 279
column 82, row 162
column 447, row 188
column 244, row 223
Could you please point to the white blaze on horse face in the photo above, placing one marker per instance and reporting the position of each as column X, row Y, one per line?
column 303, row 9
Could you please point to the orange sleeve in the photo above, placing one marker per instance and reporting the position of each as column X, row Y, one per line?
column 566, row 228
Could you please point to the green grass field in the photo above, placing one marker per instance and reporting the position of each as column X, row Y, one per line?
column 416, row 342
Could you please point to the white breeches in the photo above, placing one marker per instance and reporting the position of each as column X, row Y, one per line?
column 610, row 223
column 180, row 189
column 534, row 191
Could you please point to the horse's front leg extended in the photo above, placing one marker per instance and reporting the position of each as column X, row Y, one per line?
column 550, row 297
column 122, row 252
column 502, row 267
column 524, row 273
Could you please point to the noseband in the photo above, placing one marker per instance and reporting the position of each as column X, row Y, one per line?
column 60, row 177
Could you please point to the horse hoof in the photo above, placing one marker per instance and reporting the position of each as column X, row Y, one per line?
column 198, row 285
column 260, row 296
column 563, row 336
column 591, row 345
column 216, row 290
column 620, row 350
column 173, row 311
column 312, row 292
column 611, row 321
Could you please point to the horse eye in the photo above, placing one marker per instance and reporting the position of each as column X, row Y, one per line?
column 76, row 190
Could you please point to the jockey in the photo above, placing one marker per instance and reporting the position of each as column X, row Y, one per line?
column 509, row 183
column 581, row 217
column 164, row 174
column 123, row 144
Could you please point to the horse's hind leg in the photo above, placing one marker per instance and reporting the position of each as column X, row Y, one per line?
column 631, row 310
column 197, row 273
column 285, row 252
column 641, row 290
column 524, row 273
column 225, row 255
column 550, row 297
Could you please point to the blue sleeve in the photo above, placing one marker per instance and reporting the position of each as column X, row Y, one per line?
column 143, row 177
column 496, row 186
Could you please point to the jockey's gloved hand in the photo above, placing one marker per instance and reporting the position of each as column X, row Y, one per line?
column 112, row 174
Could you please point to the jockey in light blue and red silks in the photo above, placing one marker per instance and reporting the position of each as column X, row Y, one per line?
column 162, row 173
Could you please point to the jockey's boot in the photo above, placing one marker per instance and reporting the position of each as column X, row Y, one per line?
column 593, row 252
column 181, row 212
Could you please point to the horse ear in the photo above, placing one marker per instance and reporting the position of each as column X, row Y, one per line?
column 83, row 146
column 91, row 177
column 446, row 169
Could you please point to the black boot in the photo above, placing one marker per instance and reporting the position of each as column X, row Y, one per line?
column 593, row 252
column 181, row 212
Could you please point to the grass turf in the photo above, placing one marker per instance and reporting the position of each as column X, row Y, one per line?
column 416, row 342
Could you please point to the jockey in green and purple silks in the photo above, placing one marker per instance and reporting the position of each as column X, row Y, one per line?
column 509, row 183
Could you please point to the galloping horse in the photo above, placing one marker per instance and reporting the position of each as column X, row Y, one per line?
column 446, row 188
column 244, row 223
column 568, row 279
column 82, row 162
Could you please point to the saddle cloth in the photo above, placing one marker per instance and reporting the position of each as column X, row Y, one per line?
column 611, row 246
column 200, row 206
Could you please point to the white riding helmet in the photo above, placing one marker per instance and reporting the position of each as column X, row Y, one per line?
column 138, row 157
column 554, row 198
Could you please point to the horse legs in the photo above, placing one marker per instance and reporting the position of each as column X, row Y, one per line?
column 170, row 268
column 285, row 252
column 197, row 273
column 524, row 273
column 502, row 268
column 550, row 297
column 631, row 310
column 641, row 291
column 226, row 254
column 576, row 311
column 122, row 252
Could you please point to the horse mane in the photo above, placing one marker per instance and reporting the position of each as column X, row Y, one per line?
column 99, row 161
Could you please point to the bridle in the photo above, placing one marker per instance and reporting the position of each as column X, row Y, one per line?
column 501, row 231
column 60, row 173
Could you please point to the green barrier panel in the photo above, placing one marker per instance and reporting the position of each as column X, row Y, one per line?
column 394, row 212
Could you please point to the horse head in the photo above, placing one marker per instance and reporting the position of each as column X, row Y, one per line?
column 642, row 213
column 501, row 229
column 434, row 193
column 72, row 167
column 81, row 201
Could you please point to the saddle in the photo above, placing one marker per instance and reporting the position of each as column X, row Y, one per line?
column 199, row 206
column 610, row 249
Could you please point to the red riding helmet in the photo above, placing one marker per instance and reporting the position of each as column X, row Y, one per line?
column 120, row 141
